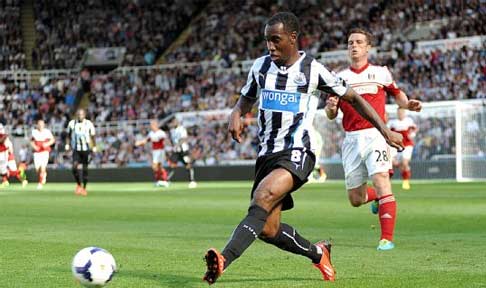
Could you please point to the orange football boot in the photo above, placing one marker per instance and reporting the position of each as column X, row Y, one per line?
column 215, row 266
column 325, row 266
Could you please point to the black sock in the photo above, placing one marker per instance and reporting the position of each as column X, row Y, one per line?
column 245, row 233
column 191, row 174
column 289, row 240
column 76, row 175
column 85, row 175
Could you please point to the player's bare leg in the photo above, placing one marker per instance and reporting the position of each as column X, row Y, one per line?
column 387, row 209
column 406, row 173
column 160, row 175
column 364, row 194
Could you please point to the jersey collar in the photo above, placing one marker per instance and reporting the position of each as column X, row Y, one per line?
column 359, row 70
column 283, row 69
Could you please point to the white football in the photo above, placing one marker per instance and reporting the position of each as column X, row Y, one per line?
column 93, row 267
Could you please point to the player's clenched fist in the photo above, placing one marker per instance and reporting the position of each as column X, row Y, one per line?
column 332, row 102
column 414, row 105
column 235, row 126
column 395, row 140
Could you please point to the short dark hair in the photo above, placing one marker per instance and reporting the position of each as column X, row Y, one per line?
column 288, row 19
column 369, row 36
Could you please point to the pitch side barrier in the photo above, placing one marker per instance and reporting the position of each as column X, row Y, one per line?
column 439, row 169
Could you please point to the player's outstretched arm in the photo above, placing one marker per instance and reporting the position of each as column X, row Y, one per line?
column 403, row 102
column 366, row 111
column 141, row 142
column 235, row 126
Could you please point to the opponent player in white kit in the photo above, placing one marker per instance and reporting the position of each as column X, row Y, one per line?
column 157, row 137
column 42, row 140
column 8, row 166
column 365, row 151
column 405, row 126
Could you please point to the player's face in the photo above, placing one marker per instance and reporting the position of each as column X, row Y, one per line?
column 81, row 115
column 358, row 46
column 154, row 126
column 280, row 43
column 40, row 124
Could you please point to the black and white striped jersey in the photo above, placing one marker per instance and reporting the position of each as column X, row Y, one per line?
column 80, row 133
column 288, row 99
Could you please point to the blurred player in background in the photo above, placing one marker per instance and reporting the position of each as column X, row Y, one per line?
column 365, row 151
column 319, row 173
column 157, row 137
column 180, row 147
column 8, row 166
column 405, row 126
column 81, row 132
column 41, row 142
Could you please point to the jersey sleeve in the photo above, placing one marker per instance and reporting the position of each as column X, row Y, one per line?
column 329, row 82
column 50, row 135
column 183, row 133
column 390, row 86
column 70, row 126
column 251, row 87
column 91, row 129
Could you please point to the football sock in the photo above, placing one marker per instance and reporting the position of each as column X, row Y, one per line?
column 85, row 175
column 156, row 175
column 163, row 174
column 76, row 175
column 289, row 240
column 406, row 174
column 370, row 195
column 245, row 233
column 191, row 174
column 387, row 212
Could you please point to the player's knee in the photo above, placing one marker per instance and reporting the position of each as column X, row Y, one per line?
column 381, row 182
column 264, row 198
column 355, row 199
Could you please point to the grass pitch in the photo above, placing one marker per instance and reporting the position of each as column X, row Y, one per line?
column 158, row 236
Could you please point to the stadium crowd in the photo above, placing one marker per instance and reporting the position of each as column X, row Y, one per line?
column 233, row 30
column 65, row 29
column 12, row 56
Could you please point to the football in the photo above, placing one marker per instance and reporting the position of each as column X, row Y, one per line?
column 93, row 267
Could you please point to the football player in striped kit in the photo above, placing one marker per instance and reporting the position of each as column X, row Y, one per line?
column 81, row 132
column 287, row 85
column 181, row 153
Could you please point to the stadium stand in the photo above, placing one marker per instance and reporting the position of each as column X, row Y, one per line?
column 11, row 53
column 65, row 29
column 235, row 27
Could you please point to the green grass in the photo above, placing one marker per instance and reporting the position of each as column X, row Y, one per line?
column 158, row 237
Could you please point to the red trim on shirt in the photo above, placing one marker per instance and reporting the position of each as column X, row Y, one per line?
column 359, row 70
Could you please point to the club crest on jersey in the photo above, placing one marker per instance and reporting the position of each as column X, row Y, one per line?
column 280, row 100
column 300, row 79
